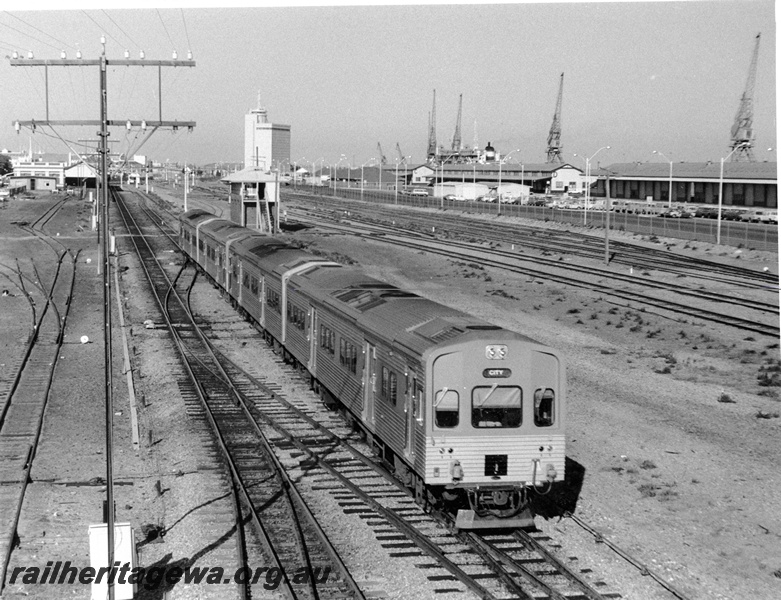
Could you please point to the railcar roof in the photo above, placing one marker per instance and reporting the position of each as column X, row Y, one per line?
column 223, row 230
column 404, row 317
column 196, row 215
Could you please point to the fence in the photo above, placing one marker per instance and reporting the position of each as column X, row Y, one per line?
column 756, row 236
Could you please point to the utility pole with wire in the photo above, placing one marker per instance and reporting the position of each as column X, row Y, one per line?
column 103, row 198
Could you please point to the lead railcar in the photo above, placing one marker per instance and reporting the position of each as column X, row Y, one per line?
column 469, row 414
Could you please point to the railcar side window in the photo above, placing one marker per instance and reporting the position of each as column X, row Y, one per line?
column 348, row 355
column 496, row 406
column 389, row 385
column 253, row 285
column 544, row 404
column 327, row 339
column 446, row 408
column 272, row 299
column 296, row 316
column 245, row 280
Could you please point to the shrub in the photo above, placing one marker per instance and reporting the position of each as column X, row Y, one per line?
column 726, row 398
column 647, row 464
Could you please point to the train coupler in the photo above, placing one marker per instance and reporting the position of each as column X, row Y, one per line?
column 469, row 519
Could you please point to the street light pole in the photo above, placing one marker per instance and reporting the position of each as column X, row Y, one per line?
column 721, row 190
column 588, row 180
column 499, row 188
column 396, row 186
column 336, row 171
column 362, row 166
column 670, row 192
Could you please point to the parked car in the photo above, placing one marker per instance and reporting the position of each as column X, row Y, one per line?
column 732, row 214
column 671, row 214
column 418, row 192
column 706, row 212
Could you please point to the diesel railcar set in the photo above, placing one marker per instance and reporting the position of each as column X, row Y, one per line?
column 470, row 415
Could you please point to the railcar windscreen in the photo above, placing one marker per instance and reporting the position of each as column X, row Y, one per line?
column 496, row 406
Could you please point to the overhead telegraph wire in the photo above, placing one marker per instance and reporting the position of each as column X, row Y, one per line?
column 31, row 36
column 37, row 29
column 102, row 29
column 187, row 35
column 132, row 41
column 164, row 27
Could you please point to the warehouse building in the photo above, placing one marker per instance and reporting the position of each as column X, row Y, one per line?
column 744, row 183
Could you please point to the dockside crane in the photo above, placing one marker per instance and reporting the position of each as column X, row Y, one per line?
column 431, row 154
column 456, row 145
column 381, row 154
column 402, row 158
column 554, row 136
column 742, row 133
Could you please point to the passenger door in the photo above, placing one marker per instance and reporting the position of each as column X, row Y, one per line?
column 369, row 383
column 410, row 414
column 313, row 340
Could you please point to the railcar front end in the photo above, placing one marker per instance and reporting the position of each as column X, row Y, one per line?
column 495, row 431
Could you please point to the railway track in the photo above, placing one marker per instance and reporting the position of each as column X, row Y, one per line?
column 290, row 536
column 24, row 405
column 572, row 242
column 517, row 263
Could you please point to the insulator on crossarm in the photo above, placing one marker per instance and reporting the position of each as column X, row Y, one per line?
column 29, row 54
column 141, row 54
column 143, row 125
column 17, row 126
column 127, row 53
column 78, row 53
column 15, row 54
column 174, row 55
column 62, row 54
column 189, row 55
column 129, row 126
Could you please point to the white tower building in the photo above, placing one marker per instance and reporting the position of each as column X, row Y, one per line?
column 266, row 145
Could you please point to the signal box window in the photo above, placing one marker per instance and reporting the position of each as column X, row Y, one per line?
column 446, row 408
column 496, row 406
column 544, row 403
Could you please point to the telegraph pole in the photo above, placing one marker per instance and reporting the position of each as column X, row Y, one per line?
column 104, row 244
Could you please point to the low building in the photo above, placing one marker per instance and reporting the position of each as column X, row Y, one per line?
column 541, row 178
column 744, row 183
column 41, row 171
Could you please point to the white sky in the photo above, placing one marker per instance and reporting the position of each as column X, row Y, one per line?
column 639, row 77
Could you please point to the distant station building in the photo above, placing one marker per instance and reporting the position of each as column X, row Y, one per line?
column 266, row 145
column 745, row 184
column 41, row 171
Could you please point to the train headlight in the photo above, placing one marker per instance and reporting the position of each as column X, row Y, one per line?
column 456, row 470
column 496, row 352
